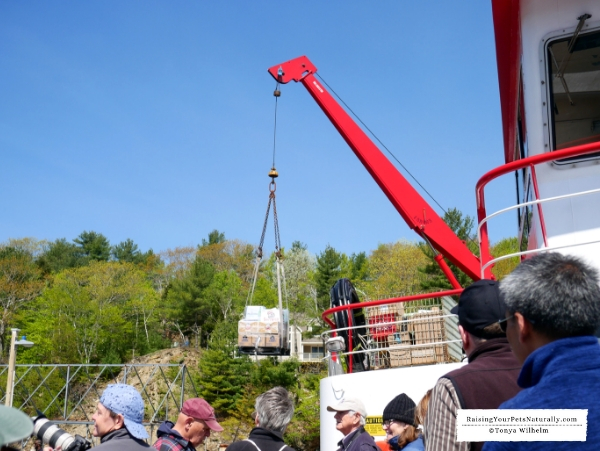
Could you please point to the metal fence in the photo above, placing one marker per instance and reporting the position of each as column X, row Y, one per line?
column 68, row 394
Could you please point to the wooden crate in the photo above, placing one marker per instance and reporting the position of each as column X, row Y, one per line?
column 427, row 327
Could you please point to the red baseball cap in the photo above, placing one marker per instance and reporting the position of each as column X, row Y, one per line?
column 199, row 409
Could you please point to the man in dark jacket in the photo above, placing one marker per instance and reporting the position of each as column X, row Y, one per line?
column 118, row 420
column 273, row 412
column 350, row 415
column 488, row 380
column 193, row 426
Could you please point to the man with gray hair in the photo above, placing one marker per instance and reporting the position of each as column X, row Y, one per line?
column 273, row 412
column 552, row 311
column 350, row 414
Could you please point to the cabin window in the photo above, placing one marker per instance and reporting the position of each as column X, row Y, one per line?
column 574, row 87
column 525, row 213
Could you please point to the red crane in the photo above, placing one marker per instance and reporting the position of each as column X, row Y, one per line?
column 415, row 211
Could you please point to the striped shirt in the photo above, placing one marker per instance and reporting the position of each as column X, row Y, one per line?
column 440, row 423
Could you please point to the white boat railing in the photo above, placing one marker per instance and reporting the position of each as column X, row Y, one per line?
column 484, row 221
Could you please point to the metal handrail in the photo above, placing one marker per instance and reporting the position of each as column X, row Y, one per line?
column 530, row 162
column 537, row 251
column 491, row 262
column 391, row 301
column 398, row 300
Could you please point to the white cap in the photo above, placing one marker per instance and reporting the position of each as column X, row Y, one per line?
column 349, row 403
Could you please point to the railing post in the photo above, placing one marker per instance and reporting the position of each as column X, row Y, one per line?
column 539, row 206
column 183, row 370
column 350, row 344
column 67, row 391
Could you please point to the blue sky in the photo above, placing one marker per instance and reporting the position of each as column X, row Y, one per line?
column 153, row 120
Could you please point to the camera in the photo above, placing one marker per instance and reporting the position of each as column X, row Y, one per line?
column 49, row 433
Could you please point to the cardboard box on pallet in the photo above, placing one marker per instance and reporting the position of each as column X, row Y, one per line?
column 264, row 340
column 253, row 312
column 247, row 327
column 246, row 340
column 400, row 357
column 397, row 309
column 270, row 341
column 268, row 327
column 403, row 338
column 423, row 356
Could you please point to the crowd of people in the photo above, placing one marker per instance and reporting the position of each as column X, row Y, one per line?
column 529, row 341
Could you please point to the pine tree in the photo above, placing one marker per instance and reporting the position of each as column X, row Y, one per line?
column 223, row 376
column 462, row 226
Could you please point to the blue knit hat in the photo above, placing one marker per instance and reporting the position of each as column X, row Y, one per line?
column 125, row 400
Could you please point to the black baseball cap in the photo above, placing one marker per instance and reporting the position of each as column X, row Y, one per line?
column 479, row 306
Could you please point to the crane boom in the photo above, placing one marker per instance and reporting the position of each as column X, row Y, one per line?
column 415, row 211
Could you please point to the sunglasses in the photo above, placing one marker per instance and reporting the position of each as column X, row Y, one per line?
column 504, row 323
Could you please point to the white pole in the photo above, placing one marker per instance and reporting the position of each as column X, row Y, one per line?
column 278, row 267
column 12, row 357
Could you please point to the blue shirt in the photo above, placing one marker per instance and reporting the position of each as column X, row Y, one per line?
column 564, row 374
column 416, row 445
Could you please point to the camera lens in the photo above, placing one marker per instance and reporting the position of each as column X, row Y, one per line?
column 51, row 434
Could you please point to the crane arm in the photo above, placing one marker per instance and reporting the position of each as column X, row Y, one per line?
column 415, row 211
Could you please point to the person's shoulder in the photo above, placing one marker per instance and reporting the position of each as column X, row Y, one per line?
column 367, row 442
column 240, row 445
column 445, row 381
column 501, row 446
column 416, row 445
column 167, row 442
column 443, row 391
column 529, row 398
column 368, row 445
column 124, row 443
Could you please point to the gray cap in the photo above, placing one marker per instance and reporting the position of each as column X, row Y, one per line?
column 349, row 403
column 15, row 425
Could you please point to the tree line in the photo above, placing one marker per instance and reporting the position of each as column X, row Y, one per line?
column 92, row 302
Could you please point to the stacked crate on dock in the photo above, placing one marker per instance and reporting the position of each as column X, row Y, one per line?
column 428, row 327
column 400, row 342
column 399, row 349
